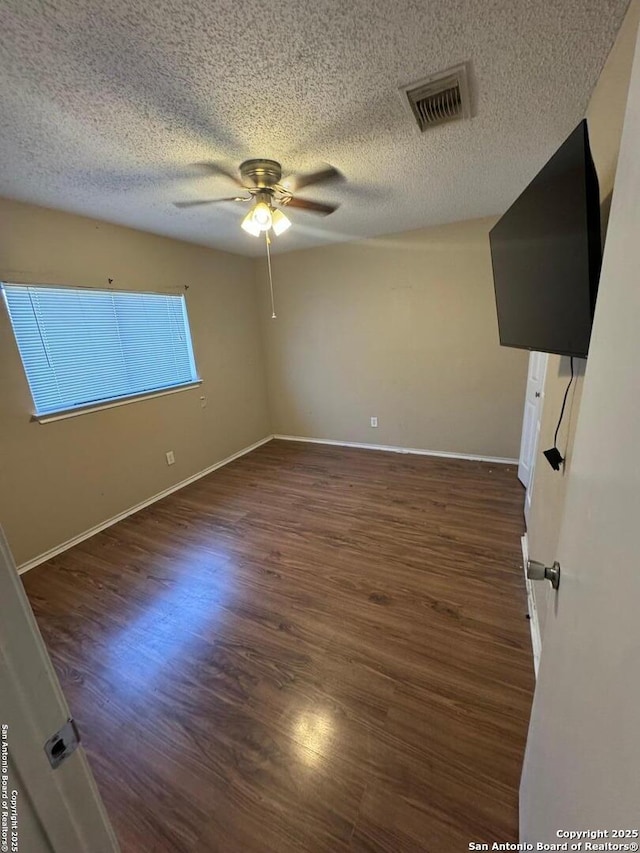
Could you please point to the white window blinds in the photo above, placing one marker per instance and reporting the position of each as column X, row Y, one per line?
column 82, row 347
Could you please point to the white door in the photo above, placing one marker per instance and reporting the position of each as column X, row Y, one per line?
column 43, row 810
column 582, row 764
column 531, row 422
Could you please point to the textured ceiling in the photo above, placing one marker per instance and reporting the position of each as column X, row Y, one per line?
column 105, row 105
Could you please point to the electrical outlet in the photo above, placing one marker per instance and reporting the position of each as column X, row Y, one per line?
column 170, row 457
column 374, row 422
column 203, row 402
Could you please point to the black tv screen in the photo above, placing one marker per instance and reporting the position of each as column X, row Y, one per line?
column 546, row 255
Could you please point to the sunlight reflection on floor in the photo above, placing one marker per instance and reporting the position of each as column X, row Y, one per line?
column 144, row 650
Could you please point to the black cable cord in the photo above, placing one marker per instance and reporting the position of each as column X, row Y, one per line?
column 564, row 403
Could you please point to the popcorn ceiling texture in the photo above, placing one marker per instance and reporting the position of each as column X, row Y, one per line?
column 106, row 105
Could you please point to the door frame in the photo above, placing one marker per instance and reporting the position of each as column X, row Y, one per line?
column 543, row 358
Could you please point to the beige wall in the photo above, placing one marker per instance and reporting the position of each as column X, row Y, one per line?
column 60, row 479
column 605, row 115
column 401, row 327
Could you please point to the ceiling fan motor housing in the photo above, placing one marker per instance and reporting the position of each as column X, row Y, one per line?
column 261, row 173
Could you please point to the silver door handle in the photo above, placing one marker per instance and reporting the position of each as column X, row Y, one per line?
column 539, row 572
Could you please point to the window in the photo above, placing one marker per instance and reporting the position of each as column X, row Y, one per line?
column 86, row 347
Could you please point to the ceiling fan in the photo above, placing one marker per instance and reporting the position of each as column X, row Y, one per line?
column 260, row 179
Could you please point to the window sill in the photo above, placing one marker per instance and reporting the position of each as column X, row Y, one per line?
column 63, row 414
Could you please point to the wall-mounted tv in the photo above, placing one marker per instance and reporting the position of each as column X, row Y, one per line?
column 546, row 255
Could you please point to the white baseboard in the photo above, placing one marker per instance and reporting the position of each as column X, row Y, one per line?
column 53, row 552
column 471, row 457
column 534, row 623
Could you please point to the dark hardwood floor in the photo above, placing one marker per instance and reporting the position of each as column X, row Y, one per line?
column 312, row 649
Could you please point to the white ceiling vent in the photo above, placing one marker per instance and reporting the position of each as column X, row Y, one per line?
column 440, row 98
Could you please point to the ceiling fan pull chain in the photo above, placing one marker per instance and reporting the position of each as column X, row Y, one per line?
column 268, row 243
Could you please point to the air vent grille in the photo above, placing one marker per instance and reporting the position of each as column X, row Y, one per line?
column 442, row 106
column 440, row 98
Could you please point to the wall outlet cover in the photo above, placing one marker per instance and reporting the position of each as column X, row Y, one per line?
column 374, row 422
column 170, row 457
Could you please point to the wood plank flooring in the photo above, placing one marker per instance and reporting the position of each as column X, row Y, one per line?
column 312, row 649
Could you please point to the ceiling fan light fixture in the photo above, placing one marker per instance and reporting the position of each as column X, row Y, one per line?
column 280, row 222
column 250, row 226
column 262, row 216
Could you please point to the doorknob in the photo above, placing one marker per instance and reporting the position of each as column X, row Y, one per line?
column 539, row 572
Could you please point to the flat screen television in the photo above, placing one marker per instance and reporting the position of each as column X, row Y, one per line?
column 546, row 254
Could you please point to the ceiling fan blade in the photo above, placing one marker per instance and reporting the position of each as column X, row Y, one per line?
column 217, row 169
column 320, row 176
column 312, row 206
column 210, row 201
